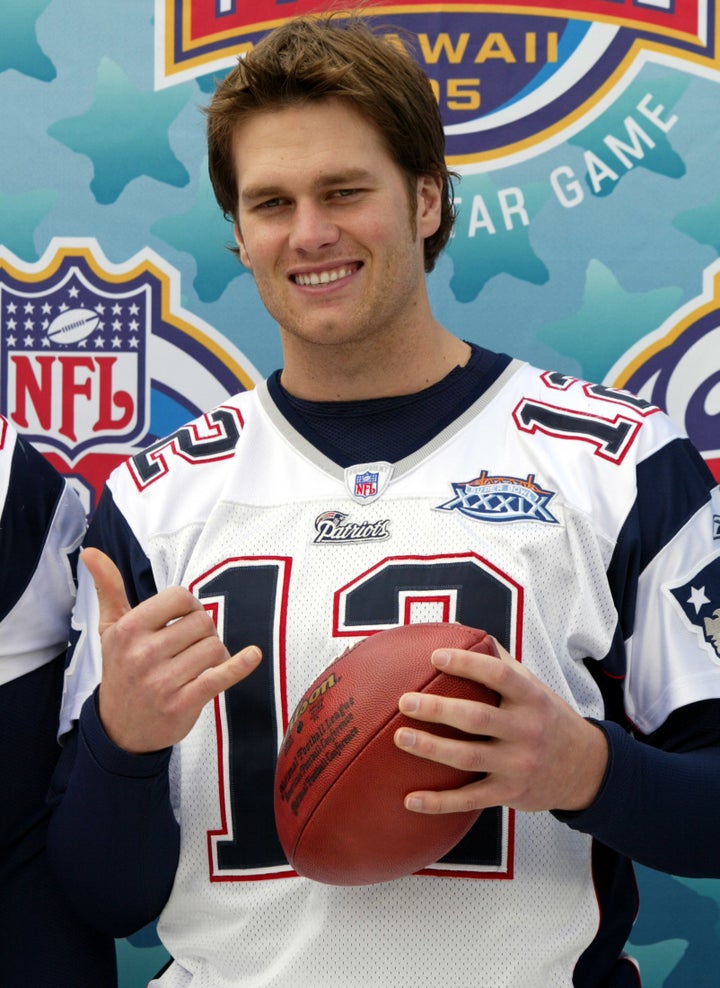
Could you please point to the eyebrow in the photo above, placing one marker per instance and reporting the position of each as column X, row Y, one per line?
column 349, row 176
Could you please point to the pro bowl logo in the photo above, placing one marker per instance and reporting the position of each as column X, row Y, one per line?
column 98, row 360
column 508, row 82
column 677, row 368
column 501, row 499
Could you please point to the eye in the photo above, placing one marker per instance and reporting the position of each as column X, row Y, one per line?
column 344, row 193
column 270, row 203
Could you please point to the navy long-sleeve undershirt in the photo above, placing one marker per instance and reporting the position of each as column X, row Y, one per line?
column 113, row 828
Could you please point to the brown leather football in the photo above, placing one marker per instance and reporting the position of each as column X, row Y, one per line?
column 340, row 780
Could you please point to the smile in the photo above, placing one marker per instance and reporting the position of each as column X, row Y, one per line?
column 323, row 277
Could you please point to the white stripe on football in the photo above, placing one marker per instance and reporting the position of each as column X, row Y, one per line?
column 73, row 325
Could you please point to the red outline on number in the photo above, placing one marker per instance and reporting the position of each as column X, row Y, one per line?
column 439, row 599
column 494, row 876
column 364, row 632
column 578, row 436
column 223, row 831
column 457, row 872
column 169, row 445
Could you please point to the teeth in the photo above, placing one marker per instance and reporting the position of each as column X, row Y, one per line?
column 322, row 277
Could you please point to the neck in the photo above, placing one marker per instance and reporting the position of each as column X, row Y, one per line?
column 352, row 372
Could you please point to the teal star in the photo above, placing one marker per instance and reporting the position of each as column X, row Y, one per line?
column 676, row 937
column 659, row 960
column 125, row 133
column 203, row 233
column 608, row 321
column 483, row 246
column 702, row 224
column 208, row 83
column 19, row 48
column 20, row 213
column 658, row 156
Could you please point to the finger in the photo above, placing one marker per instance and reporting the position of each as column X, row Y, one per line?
column 109, row 585
column 178, row 636
column 506, row 677
column 469, row 756
column 217, row 679
column 475, row 796
column 473, row 717
column 489, row 790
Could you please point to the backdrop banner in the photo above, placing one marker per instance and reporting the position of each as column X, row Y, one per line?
column 586, row 136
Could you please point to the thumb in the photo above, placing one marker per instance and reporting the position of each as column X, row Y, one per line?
column 109, row 585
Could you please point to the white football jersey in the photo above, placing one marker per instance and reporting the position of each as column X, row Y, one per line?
column 521, row 518
column 42, row 522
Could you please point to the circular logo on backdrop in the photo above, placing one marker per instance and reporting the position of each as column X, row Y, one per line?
column 507, row 82
column 98, row 360
column 677, row 369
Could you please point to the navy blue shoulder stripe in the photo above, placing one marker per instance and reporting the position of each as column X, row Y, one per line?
column 34, row 490
column 110, row 531
column 672, row 485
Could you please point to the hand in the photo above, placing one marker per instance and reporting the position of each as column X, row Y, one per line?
column 537, row 752
column 162, row 661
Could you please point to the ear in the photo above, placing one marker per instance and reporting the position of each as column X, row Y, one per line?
column 429, row 204
column 241, row 246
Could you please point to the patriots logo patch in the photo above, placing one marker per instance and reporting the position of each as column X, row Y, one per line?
column 499, row 499
column 333, row 527
column 699, row 603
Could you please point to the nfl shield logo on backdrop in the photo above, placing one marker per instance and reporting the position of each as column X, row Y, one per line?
column 98, row 359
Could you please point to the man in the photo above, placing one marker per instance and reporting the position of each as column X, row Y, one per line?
column 529, row 504
column 42, row 522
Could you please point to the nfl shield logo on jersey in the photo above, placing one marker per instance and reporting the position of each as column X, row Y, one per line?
column 366, row 485
column 367, row 481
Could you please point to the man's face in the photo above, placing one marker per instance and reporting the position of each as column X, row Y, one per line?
column 325, row 224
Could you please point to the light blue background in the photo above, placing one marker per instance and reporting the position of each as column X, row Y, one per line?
column 89, row 149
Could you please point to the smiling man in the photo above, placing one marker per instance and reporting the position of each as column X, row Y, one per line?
column 388, row 473
column 326, row 222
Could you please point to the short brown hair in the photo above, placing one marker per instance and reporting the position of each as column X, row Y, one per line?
column 337, row 56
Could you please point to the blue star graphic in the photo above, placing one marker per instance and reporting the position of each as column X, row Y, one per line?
column 125, row 133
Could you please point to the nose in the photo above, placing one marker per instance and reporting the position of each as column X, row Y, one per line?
column 312, row 227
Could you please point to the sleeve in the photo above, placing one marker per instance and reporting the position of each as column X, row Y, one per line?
column 665, row 578
column 42, row 522
column 660, row 805
column 112, row 824
column 112, row 827
column 660, row 799
column 109, row 531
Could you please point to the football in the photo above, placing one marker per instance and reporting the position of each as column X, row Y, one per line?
column 340, row 780
column 72, row 326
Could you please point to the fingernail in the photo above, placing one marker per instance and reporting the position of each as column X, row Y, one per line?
column 409, row 703
column 413, row 803
column 441, row 659
column 405, row 738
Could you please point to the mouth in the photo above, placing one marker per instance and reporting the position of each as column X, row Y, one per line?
column 328, row 277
